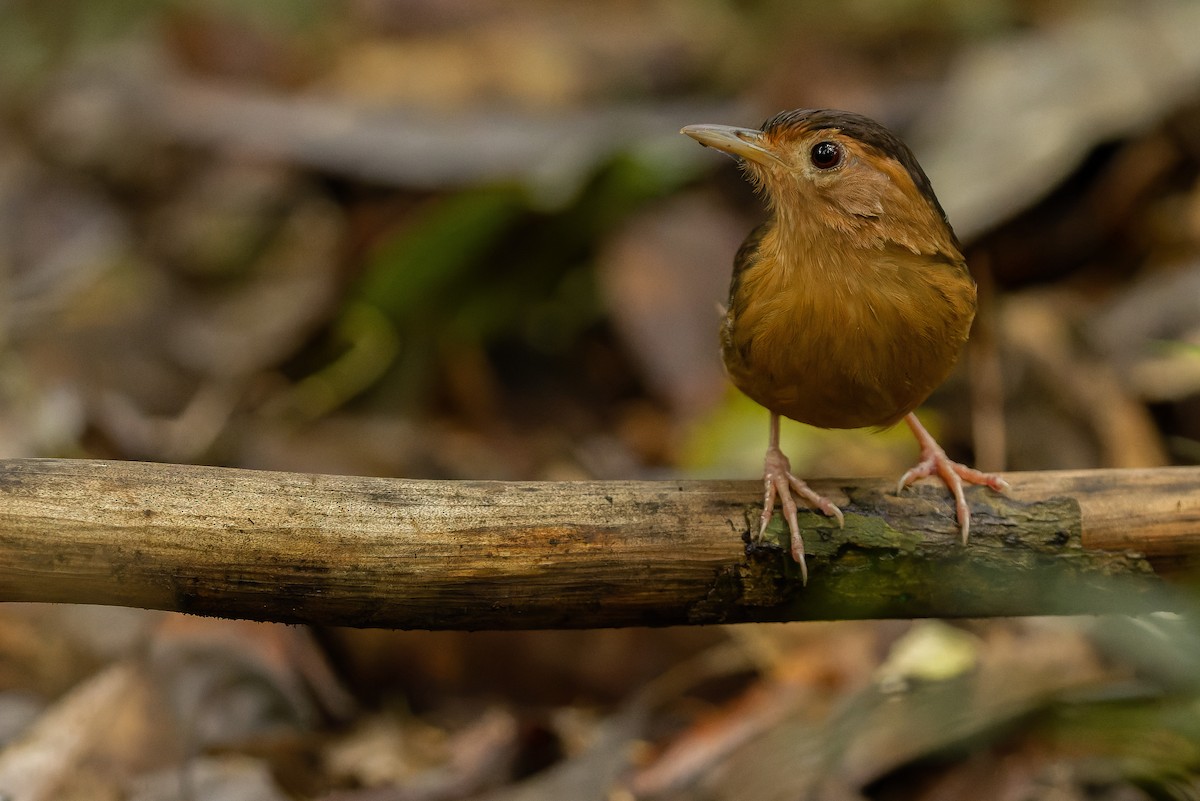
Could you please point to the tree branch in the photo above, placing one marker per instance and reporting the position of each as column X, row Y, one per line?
column 477, row 555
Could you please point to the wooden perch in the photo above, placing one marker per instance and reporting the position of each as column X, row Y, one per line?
column 494, row 555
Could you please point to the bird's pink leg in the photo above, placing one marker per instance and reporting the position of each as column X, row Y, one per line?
column 779, row 481
column 934, row 461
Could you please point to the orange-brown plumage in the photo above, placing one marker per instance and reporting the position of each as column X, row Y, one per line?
column 850, row 305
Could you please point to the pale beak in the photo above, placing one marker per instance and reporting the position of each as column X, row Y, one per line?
column 741, row 143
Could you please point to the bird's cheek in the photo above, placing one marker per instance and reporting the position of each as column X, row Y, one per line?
column 859, row 193
column 859, row 200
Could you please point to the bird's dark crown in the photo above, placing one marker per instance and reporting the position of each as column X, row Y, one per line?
column 862, row 129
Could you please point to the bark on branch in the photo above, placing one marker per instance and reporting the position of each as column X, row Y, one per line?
column 491, row 555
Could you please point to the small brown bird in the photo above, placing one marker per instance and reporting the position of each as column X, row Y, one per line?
column 850, row 304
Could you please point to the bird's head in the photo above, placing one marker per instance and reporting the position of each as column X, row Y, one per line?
column 838, row 170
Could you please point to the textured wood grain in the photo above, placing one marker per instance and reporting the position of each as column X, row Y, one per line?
column 472, row 555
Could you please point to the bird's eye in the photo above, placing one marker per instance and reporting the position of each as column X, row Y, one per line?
column 825, row 155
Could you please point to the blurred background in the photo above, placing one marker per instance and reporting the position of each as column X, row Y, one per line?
column 463, row 239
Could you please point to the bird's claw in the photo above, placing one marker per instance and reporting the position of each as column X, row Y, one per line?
column 935, row 462
column 778, row 482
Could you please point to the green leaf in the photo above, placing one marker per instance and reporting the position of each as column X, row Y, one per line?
column 437, row 250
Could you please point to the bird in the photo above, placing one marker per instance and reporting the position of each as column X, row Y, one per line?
column 851, row 303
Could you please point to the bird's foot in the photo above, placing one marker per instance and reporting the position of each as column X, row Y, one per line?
column 778, row 481
column 935, row 462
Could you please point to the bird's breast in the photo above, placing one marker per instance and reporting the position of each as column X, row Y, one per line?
column 859, row 342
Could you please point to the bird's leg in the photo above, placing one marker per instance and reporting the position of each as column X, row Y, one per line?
column 934, row 461
column 779, row 481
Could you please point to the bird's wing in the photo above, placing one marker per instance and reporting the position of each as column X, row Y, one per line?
column 745, row 257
